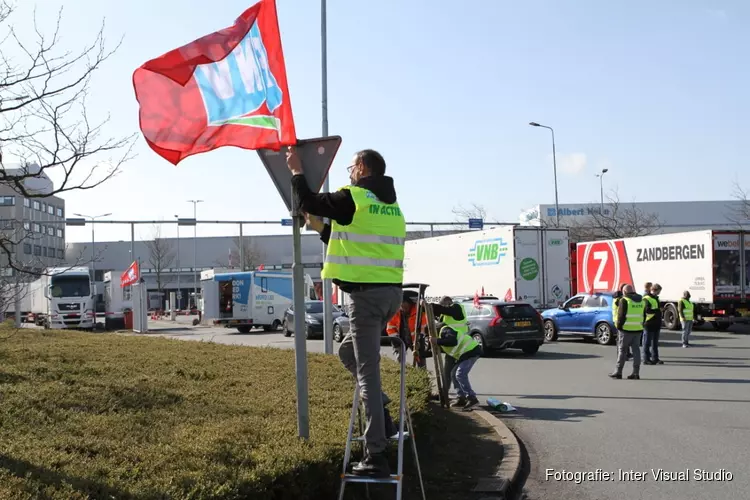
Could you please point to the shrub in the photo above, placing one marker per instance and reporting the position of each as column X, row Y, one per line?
column 111, row 416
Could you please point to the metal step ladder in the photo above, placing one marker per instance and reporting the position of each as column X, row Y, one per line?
column 404, row 418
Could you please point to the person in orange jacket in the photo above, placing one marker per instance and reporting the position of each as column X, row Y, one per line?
column 404, row 324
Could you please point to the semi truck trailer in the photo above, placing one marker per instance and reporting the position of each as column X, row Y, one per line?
column 63, row 298
column 711, row 265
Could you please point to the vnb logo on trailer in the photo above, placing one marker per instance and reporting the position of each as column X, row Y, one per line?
column 487, row 252
column 241, row 89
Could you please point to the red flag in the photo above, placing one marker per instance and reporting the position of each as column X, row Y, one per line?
column 260, row 267
column 476, row 299
column 509, row 295
column 228, row 88
column 482, row 291
column 131, row 275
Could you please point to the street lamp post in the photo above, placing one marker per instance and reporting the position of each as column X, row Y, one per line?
column 601, row 189
column 554, row 164
column 179, row 269
column 195, row 251
column 92, row 218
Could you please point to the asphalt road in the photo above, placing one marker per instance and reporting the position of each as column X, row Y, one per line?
column 691, row 413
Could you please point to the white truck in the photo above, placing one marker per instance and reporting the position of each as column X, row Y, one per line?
column 116, row 300
column 711, row 265
column 510, row 262
column 248, row 299
column 63, row 298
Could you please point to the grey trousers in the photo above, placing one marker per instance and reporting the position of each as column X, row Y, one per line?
column 629, row 341
column 369, row 313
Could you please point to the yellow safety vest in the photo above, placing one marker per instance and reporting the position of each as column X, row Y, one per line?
column 615, row 301
column 687, row 312
column 654, row 305
column 465, row 344
column 461, row 326
column 634, row 316
column 371, row 248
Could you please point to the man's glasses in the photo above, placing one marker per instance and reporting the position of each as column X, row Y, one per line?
column 350, row 168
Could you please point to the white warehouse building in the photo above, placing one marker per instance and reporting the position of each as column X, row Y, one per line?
column 673, row 216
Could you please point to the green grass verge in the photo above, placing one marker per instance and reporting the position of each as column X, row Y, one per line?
column 110, row 416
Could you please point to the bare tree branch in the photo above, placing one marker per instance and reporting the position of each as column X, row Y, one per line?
column 616, row 220
column 44, row 124
column 740, row 213
column 161, row 256
column 252, row 255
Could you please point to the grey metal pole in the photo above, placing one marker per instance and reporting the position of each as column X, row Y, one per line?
column 93, row 259
column 432, row 230
column 300, row 339
column 554, row 166
column 601, row 193
column 327, row 287
column 242, row 250
column 195, row 254
column 132, row 241
column 179, row 269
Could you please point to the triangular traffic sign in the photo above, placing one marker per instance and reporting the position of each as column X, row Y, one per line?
column 316, row 156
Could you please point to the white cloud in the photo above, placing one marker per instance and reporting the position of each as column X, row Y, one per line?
column 571, row 163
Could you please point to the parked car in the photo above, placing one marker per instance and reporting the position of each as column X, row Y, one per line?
column 497, row 324
column 313, row 319
column 585, row 315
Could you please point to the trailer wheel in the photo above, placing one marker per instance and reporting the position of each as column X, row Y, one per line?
column 550, row 331
column 720, row 327
column 243, row 329
column 671, row 319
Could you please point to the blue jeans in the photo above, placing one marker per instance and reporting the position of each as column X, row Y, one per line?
column 650, row 345
column 687, row 329
column 460, row 378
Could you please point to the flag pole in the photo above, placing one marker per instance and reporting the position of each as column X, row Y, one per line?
column 327, row 289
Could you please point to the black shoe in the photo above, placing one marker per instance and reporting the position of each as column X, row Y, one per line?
column 634, row 377
column 373, row 466
column 460, row 401
column 390, row 427
column 471, row 402
column 615, row 375
column 630, row 356
column 658, row 362
column 649, row 362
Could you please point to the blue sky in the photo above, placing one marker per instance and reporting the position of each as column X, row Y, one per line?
column 656, row 91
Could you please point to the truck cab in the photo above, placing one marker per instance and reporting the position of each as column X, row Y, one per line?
column 69, row 299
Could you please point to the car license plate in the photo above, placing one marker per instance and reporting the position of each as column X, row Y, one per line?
column 233, row 322
column 523, row 323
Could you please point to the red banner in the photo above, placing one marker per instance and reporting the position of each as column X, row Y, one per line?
column 228, row 88
column 131, row 275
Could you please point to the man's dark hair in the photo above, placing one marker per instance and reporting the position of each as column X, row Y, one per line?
column 372, row 160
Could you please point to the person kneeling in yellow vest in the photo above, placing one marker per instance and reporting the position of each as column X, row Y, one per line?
column 461, row 352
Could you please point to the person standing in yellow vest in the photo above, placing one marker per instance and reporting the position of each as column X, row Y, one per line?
column 631, row 311
column 686, row 310
column 364, row 259
column 652, row 327
column 461, row 353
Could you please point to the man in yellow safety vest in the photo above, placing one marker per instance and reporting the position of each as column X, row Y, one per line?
column 631, row 310
column 686, row 311
column 364, row 259
column 461, row 352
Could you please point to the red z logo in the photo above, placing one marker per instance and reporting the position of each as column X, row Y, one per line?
column 602, row 266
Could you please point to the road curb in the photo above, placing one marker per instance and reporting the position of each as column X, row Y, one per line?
column 510, row 465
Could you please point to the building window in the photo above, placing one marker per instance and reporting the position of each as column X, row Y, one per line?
column 27, row 226
column 37, row 250
column 26, row 202
column 60, row 253
column 59, row 212
column 50, row 210
column 44, row 207
column 37, row 228
column 50, row 231
column 59, row 233
column 8, row 224
column 44, row 251
column 27, row 248
column 7, row 200
column 51, row 251
column 36, row 205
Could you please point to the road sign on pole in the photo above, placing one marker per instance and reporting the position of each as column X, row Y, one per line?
column 476, row 224
column 316, row 156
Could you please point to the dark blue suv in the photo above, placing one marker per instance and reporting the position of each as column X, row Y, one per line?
column 585, row 315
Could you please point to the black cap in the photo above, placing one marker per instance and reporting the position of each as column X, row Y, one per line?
column 410, row 296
